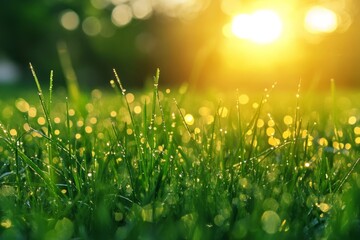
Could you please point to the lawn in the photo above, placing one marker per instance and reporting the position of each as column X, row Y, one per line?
column 179, row 164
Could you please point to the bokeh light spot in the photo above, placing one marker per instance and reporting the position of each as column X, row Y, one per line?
column 91, row 26
column 270, row 131
column 93, row 120
column 347, row 146
column 323, row 142
column 32, row 112
column 137, row 109
column 270, row 221
column 41, row 121
column 88, row 129
column 80, row 123
column 99, row 4
column 142, row 9
column 22, row 105
column 130, row 97
column 26, row 127
column 71, row 112
column 69, row 20
column 121, row 15
column 113, row 114
column 13, row 132
column 189, row 119
column 288, row 120
column 260, row 123
column 129, row 131
column 57, row 120
column 286, row 134
column 273, row 141
column 243, row 99
column 352, row 120
column 78, row 136
column 271, row 123
column 357, row 130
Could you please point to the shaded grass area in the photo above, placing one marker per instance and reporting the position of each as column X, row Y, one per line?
column 174, row 164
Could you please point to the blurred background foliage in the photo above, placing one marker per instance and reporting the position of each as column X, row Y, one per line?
column 187, row 39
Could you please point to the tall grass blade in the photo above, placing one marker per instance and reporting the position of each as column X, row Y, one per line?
column 333, row 109
column 42, row 99
column 136, row 129
column 69, row 72
column 347, row 175
column 46, row 110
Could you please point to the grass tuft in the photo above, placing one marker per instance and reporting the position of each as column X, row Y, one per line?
column 161, row 165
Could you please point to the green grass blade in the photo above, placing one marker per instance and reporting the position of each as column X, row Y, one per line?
column 347, row 175
column 69, row 72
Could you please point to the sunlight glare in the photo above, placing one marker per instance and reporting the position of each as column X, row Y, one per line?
column 321, row 20
column 262, row 26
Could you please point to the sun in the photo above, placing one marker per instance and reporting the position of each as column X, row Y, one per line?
column 321, row 20
column 262, row 26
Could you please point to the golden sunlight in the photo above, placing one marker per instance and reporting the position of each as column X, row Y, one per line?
column 321, row 20
column 262, row 26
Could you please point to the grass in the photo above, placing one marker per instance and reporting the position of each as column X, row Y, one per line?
column 173, row 164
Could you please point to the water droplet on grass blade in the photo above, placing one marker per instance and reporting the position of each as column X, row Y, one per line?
column 6, row 223
column 324, row 207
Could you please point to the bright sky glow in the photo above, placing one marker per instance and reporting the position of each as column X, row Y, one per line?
column 262, row 26
column 321, row 20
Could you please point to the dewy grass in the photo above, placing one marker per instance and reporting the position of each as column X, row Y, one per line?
column 149, row 166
